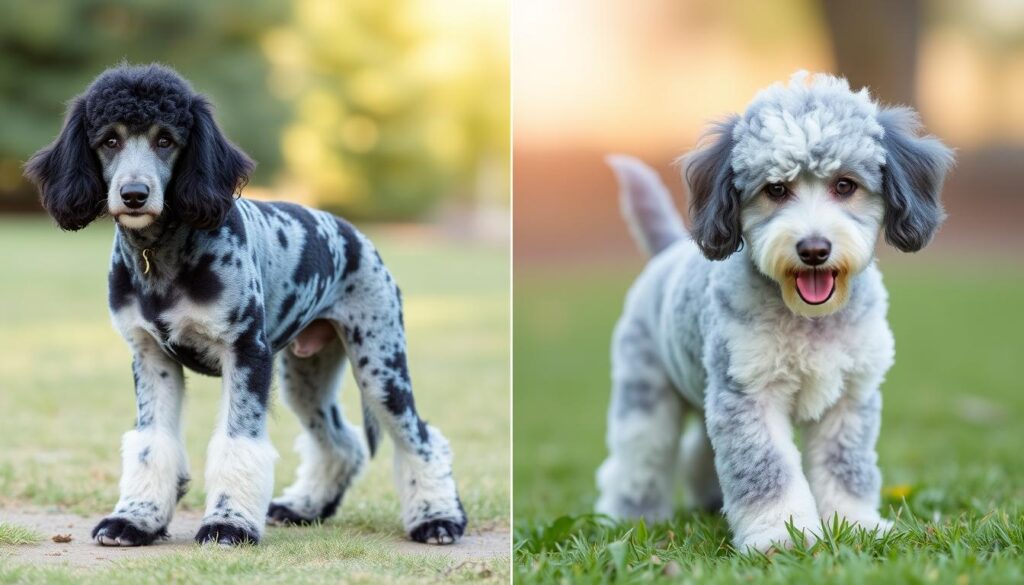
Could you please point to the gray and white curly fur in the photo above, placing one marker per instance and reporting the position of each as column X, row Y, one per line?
column 771, row 316
column 222, row 286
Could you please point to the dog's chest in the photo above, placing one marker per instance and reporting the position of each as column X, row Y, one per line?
column 195, row 338
column 807, row 362
column 193, row 334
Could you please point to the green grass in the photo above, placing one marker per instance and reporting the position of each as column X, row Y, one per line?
column 950, row 447
column 11, row 534
column 66, row 397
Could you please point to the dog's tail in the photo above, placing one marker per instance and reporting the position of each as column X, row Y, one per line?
column 646, row 204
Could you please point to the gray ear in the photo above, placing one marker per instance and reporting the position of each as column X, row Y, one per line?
column 714, row 200
column 915, row 168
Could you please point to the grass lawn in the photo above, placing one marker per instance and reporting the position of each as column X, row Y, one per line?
column 951, row 447
column 66, row 397
column 11, row 534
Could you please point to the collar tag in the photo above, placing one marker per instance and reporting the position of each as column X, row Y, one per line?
column 145, row 258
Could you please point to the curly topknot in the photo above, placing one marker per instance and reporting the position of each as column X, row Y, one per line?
column 138, row 96
column 814, row 124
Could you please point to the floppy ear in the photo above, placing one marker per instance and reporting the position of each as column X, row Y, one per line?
column 208, row 173
column 912, row 177
column 68, row 174
column 714, row 200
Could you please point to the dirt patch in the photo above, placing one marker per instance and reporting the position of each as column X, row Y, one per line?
column 82, row 552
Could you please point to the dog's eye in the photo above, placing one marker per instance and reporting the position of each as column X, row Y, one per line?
column 776, row 191
column 111, row 142
column 164, row 141
column 845, row 187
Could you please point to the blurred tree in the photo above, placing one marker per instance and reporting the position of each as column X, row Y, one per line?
column 398, row 102
column 51, row 49
column 876, row 45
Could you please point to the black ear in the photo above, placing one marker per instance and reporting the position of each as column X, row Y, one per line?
column 68, row 174
column 915, row 168
column 714, row 200
column 208, row 173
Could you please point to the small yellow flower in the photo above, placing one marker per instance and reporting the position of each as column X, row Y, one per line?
column 897, row 491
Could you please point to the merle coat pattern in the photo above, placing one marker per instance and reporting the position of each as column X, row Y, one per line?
column 769, row 316
column 221, row 286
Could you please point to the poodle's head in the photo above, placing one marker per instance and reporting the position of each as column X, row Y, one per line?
column 140, row 145
column 807, row 178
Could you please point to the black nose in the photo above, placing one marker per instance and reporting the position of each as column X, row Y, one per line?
column 814, row 250
column 134, row 195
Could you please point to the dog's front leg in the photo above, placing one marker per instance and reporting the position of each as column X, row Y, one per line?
column 841, row 462
column 154, row 468
column 758, row 464
column 240, row 457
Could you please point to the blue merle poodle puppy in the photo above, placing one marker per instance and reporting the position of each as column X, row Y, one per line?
column 200, row 279
column 770, row 315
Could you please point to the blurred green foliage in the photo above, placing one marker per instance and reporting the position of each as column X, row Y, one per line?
column 372, row 108
column 52, row 49
column 398, row 102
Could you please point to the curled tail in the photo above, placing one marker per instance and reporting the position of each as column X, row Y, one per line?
column 646, row 204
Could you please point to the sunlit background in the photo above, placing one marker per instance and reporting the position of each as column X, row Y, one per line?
column 647, row 77
column 595, row 77
column 377, row 109
column 391, row 113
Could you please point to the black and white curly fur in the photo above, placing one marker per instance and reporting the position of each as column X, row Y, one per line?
column 202, row 280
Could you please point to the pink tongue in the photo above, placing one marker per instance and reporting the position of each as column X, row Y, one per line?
column 815, row 286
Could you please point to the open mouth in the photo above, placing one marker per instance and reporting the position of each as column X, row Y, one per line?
column 816, row 285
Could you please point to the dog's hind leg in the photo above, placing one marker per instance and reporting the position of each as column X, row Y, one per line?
column 371, row 318
column 155, row 469
column 331, row 449
column 697, row 466
column 637, row 478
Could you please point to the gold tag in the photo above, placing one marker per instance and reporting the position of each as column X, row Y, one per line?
column 145, row 258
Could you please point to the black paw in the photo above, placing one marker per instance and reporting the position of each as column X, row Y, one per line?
column 438, row 532
column 121, row 532
column 226, row 535
column 281, row 514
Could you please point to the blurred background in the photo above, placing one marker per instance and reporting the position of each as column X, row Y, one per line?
column 377, row 109
column 393, row 113
column 645, row 78
column 613, row 76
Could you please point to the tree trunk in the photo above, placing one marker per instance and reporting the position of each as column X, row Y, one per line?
column 875, row 44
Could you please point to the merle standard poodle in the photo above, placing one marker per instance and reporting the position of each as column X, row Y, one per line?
column 203, row 280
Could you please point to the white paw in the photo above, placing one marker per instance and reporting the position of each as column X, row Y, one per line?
column 626, row 495
column 855, row 513
column 770, row 529
column 777, row 537
column 625, row 508
column 867, row 520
